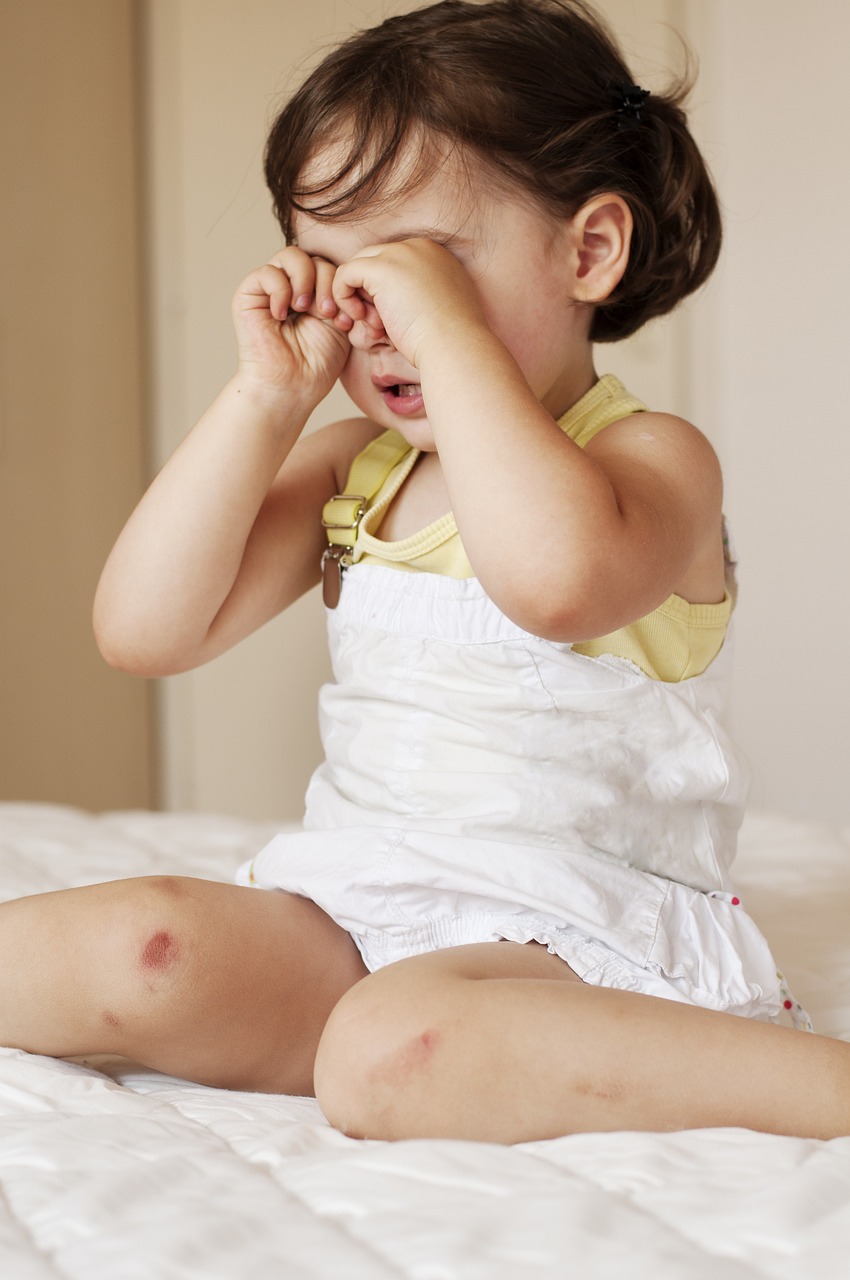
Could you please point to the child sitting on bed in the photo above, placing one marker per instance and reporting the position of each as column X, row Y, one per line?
column 509, row 913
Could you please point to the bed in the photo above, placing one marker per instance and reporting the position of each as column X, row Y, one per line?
column 109, row 1170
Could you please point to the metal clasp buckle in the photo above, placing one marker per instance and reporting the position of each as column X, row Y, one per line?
column 345, row 511
column 334, row 560
column 341, row 514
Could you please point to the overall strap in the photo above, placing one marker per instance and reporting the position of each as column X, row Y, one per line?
column 342, row 514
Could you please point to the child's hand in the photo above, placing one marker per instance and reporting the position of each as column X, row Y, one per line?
column 285, row 314
column 415, row 290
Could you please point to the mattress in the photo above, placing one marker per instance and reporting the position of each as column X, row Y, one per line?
column 111, row 1170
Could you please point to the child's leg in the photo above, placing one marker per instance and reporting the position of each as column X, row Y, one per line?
column 502, row 1043
column 214, row 982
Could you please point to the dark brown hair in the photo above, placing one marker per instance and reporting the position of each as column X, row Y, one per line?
column 534, row 89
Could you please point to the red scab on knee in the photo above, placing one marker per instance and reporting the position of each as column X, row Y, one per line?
column 408, row 1060
column 426, row 1044
column 111, row 1020
column 160, row 951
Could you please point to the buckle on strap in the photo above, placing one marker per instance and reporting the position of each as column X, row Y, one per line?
column 341, row 517
column 344, row 511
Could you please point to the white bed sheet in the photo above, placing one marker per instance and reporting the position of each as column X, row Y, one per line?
column 108, row 1170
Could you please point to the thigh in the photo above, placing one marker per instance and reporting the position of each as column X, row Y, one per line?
column 215, row 982
column 481, row 960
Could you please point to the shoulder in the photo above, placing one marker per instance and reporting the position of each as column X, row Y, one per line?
column 664, row 449
column 648, row 427
column 334, row 447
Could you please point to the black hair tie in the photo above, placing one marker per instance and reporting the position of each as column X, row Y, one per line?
column 630, row 100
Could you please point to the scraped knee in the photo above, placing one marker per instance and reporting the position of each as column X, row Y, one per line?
column 377, row 1061
column 150, row 932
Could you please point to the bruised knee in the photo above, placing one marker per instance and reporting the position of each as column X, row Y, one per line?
column 149, row 933
column 378, row 1061
column 160, row 953
column 98, row 966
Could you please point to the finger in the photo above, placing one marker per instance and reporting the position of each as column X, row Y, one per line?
column 346, row 291
column 324, row 301
column 300, row 271
column 372, row 318
column 266, row 289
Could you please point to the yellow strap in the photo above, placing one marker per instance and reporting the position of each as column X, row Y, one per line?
column 342, row 514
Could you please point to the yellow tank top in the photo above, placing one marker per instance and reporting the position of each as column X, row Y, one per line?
column 677, row 640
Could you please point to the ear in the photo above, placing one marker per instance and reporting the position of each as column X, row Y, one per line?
column 601, row 235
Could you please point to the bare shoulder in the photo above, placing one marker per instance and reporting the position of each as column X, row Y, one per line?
column 331, row 449
column 668, row 484
column 660, row 449
column 666, row 430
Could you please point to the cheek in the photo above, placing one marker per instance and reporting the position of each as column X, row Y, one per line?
column 534, row 330
column 356, row 381
column 516, row 313
column 525, row 342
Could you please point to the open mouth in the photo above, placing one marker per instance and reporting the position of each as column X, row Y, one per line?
column 404, row 398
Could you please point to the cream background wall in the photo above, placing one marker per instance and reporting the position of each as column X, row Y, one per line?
column 774, row 330
column 71, row 421
column 756, row 360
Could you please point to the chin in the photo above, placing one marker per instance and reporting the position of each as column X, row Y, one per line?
column 417, row 433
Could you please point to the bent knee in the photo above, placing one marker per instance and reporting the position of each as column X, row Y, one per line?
column 148, row 931
column 379, row 1060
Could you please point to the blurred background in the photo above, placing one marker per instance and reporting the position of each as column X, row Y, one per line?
column 132, row 203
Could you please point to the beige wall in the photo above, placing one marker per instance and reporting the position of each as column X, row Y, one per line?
column 70, row 416
column 768, row 374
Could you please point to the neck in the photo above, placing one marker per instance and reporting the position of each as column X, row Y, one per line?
column 575, row 382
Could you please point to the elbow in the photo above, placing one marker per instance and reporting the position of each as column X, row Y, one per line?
column 128, row 639
column 564, row 611
column 118, row 653
column 109, row 635
column 122, row 647
column 558, row 624
column 111, row 645
column 540, row 616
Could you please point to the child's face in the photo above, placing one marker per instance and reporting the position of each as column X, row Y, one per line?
column 521, row 268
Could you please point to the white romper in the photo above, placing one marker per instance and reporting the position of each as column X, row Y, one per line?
column 480, row 783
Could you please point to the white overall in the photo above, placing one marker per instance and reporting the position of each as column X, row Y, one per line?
column 481, row 783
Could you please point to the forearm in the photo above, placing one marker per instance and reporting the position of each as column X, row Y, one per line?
column 538, row 517
column 180, row 553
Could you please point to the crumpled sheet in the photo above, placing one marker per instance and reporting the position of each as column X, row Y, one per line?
column 108, row 1170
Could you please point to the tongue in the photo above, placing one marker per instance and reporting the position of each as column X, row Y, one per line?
column 408, row 389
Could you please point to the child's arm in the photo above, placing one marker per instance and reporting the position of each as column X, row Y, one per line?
column 571, row 543
column 227, row 536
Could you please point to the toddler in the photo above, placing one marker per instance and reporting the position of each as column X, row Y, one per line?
column 509, row 915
